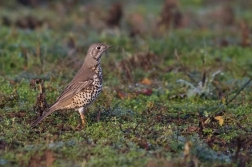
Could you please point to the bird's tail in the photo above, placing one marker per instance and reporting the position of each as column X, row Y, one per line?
column 46, row 113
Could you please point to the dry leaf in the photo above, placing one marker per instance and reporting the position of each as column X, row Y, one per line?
column 146, row 92
column 49, row 158
column 121, row 94
column 192, row 129
column 219, row 119
column 146, row 81
column 187, row 149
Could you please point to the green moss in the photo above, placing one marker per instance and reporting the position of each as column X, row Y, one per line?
column 130, row 123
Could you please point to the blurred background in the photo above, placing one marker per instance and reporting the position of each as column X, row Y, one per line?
column 65, row 28
column 82, row 22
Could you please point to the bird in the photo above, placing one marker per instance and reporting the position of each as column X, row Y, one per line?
column 84, row 87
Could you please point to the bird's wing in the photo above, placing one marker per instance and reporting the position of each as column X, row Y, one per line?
column 82, row 80
column 71, row 90
column 65, row 98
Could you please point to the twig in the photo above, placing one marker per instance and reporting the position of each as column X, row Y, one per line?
column 239, row 91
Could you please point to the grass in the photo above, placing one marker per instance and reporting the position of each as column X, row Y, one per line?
column 144, row 117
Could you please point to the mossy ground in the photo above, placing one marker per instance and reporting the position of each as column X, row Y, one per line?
column 144, row 117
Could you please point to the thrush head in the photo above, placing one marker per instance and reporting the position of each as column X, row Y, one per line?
column 94, row 54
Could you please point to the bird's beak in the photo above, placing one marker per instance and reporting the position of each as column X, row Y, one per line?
column 108, row 46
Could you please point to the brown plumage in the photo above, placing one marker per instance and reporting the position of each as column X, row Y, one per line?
column 85, row 86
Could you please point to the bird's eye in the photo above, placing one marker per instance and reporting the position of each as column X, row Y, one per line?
column 98, row 47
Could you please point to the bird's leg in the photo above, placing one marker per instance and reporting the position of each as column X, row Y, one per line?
column 81, row 111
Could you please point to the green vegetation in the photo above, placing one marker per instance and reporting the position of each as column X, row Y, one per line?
column 161, row 104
